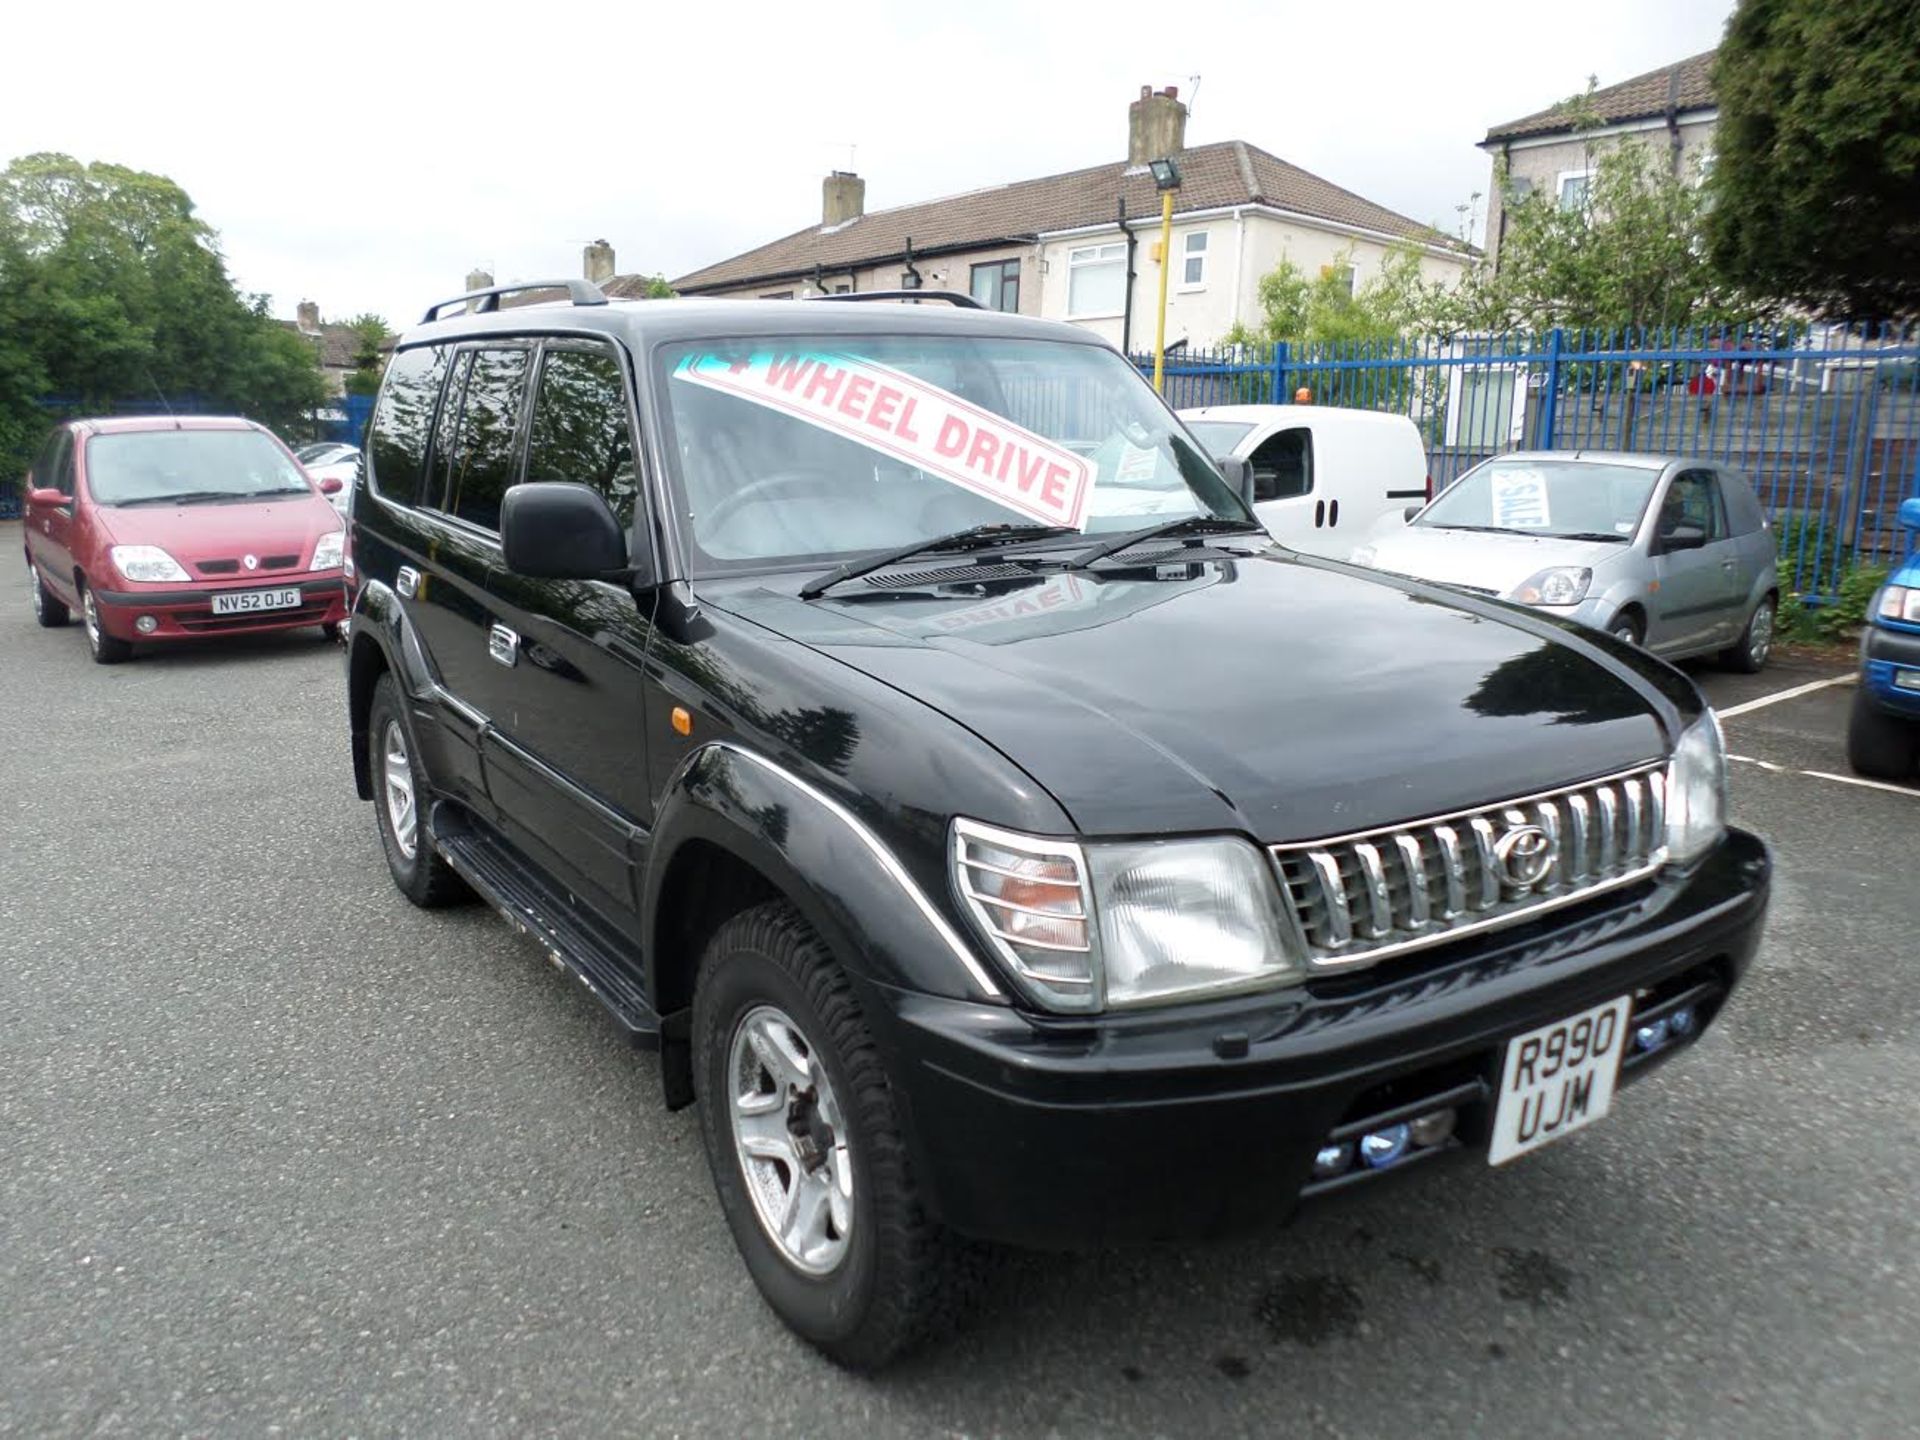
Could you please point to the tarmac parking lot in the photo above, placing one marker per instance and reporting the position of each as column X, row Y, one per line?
column 284, row 1155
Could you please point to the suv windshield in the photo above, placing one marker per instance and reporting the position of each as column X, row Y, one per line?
column 195, row 466
column 1546, row 497
column 795, row 450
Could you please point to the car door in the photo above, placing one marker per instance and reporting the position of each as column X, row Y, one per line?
column 49, row 528
column 1693, row 602
column 1283, row 490
column 566, row 757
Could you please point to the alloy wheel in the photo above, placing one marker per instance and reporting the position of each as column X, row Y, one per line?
column 1760, row 635
column 396, row 774
column 37, row 591
column 791, row 1140
column 90, row 614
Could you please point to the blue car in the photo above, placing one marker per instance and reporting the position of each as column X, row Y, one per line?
column 1883, row 734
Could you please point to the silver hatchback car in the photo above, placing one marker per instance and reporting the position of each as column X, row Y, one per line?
column 1671, row 553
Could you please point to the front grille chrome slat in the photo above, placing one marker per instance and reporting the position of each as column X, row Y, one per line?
column 1359, row 898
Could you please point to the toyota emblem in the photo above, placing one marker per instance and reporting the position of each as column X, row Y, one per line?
column 252, row 562
column 1524, row 854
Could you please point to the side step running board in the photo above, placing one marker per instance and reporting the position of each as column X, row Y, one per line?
column 573, row 941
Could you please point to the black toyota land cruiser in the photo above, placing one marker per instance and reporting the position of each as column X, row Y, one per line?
column 895, row 718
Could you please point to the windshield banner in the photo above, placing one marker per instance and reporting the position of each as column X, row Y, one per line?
column 932, row 429
column 1520, row 499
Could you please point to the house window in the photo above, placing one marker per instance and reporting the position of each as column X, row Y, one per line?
column 1193, row 272
column 1573, row 189
column 780, row 295
column 1096, row 281
column 1342, row 277
column 996, row 285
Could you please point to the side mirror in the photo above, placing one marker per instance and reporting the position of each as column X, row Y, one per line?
column 1407, row 514
column 331, row 485
column 1910, row 513
column 46, row 495
column 1239, row 475
column 1683, row 537
column 558, row 531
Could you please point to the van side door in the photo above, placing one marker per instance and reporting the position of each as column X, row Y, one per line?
column 1283, row 492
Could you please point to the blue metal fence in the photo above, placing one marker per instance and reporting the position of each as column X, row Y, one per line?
column 1825, row 420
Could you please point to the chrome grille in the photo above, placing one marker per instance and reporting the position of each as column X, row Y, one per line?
column 1361, row 897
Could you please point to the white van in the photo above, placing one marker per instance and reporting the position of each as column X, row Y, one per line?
column 1322, row 476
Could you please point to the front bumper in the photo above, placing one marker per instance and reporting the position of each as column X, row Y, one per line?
column 1887, row 656
column 1063, row 1134
column 188, row 614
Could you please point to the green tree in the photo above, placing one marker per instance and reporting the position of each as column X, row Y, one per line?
column 1816, row 178
column 370, row 332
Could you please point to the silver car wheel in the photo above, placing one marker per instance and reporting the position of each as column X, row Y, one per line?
column 38, row 593
column 1760, row 634
column 90, row 614
column 791, row 1140
column 396, row 774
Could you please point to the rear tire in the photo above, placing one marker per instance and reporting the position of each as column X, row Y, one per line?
column 106, row 649
column 1879, row 745
column 865, row 1294
column 401, row 791
column 1749, row 654
column 51, row 613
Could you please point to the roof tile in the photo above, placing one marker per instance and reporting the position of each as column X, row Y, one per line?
column 1688, row 83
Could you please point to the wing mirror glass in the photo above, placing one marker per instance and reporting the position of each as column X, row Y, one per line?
column 556, row 530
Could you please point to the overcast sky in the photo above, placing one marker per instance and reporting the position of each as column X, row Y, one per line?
column 366, row 156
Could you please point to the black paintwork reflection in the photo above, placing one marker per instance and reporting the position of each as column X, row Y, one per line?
column 1552, row 681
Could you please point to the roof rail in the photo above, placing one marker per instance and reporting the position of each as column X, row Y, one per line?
column 952, row 297
column 580, row 292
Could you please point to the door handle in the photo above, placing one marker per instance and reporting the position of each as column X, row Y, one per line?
column 503, row 645
column 407, row 582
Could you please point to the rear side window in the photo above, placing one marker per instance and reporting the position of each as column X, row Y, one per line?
column 481, row 459
column 1283, row 465
column 402, row 421
column 579, row 430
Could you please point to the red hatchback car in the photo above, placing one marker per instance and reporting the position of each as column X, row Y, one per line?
column 175, row 529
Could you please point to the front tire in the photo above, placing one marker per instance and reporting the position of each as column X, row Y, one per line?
column 51, row 613
column 1879, row 745
column 804, row 1141
column 1628, row 627
column 106, row 649
column 400, row 795
column 1749, row 654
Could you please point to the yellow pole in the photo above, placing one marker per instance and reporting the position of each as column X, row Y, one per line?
column 1166, row 262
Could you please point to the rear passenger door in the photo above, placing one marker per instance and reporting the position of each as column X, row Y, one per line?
column 566, row 759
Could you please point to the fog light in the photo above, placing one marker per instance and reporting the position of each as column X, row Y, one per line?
column 1332, row 1160
column 146, row 624
column 1433, row 1129
column 1682, row 1023
column 1652, row 1035
column 1380, row 1148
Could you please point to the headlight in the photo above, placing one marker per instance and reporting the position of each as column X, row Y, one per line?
column 326, row 555
column 146, row 562
column 1362, row 555
column 1697, row 791
column 1088, row 927
column 1558, row 585
column 1900, row 602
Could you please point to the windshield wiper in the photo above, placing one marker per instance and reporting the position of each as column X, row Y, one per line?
column 974, row 537
column 180, row 497
column 1592, row 535
column 1481, row 529
column 1185, row 525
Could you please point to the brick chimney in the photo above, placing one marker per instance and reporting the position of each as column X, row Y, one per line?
column 597, row 260
column 843, row 197
column 1156, row 125
column 309, row 320
column 479, row 280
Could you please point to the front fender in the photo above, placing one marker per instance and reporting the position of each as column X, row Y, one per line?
column 829, row 863
column 380, row 640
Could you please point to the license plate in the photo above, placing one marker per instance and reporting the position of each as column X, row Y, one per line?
column 245, row 602
column 1558, row 1079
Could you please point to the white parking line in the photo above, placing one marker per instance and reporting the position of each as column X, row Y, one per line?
column 1905, row 790
column 1779, row 695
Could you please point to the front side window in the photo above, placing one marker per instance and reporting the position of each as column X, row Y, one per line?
column 579, row 429
column 802, row 449
column 53, row 467
column 1566, row 499
column 1096, row 280
column 1693, row 499
column 189, row 467
column 402, row 421
column 1193, row 273
column 996, row 285
column 1283, row 465
column 480, row 461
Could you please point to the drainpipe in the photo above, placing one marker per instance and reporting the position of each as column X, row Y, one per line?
column 1673, row 123
column 1126, row 310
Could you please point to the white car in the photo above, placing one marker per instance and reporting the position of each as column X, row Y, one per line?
column 1323, row 477
column 327, row 462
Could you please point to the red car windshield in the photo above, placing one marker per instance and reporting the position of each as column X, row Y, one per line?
column 189, row 467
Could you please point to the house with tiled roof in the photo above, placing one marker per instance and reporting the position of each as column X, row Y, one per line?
column 1553, row 150
column 1084, row 246
column 335, row 345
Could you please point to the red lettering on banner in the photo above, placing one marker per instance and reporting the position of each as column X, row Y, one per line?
column 820, row 388
column 885, row 401
column 1053, row 490
column 952, row 438
column 857, row 390
column 787, row 370
column 985, row 450
column 905, row 428
column 1030, row 472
